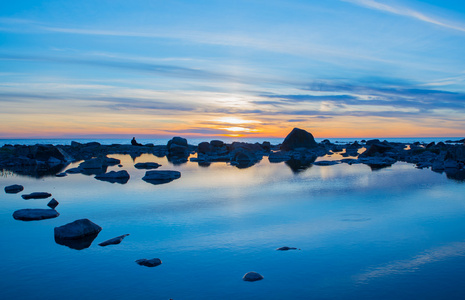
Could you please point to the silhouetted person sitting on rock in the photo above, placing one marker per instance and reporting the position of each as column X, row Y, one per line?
column 134, row 142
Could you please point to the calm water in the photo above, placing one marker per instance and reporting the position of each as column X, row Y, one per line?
column 395, row 233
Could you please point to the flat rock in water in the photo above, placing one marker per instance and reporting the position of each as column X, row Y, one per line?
column 36, row 195
column 53, row 203
column 63, row 174
column 252, row 276
column 326, row 163
column 77, row 229
column 147, row 165
column 149, row 262
column 113, row 176
column 13, row 189
column 113, row 241
column 35, row 214
column 159, row 177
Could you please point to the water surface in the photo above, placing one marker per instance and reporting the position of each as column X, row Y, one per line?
column 394, row 233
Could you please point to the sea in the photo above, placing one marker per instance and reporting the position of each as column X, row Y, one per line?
column 359, row 233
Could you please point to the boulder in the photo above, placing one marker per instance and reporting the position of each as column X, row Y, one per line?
column 114, row 176
column 298, row 138
column 36, row 195
column 53, row 203
column 252, row 276
column 35, row 214
column 204, row 147
column 178, row 147
column 149, row 262
column 77, row 229
column 113, row 241
column 147, row 165
column 13, row 189
column 159, row 177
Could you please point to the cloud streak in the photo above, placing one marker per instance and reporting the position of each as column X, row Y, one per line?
column 406, row 12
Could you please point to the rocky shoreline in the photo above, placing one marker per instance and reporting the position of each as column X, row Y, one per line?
column 298, row 150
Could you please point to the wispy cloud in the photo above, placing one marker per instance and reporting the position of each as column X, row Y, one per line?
column 407, row 12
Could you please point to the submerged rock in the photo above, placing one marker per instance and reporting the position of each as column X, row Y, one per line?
column 147, row 165
column 35, row 214
column 285, row 248
column 159, row 177
column 149, row 262
column 53, row 203
column 114, row 177
column 77, row 229
column 36, row 195
column 252, row 276
column 13, row 189
column 113, row 241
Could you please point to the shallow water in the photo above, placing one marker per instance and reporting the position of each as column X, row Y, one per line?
column 394, row 233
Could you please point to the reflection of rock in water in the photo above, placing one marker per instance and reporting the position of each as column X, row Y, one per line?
column 77, row 244
column 298, row 165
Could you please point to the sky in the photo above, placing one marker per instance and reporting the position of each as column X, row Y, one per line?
column 337, row 68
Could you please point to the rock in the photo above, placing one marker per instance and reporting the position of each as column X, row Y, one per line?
column 114, row 176
column 252, row 276
column 63, row 174
column 77, row 244
column 285, row 248
column 147, row 165
column 149, row 262
column 77, row 229
column 36, row 195
column 13, row 189
column 298, row 138
column 53, row 203
column 35, row 214
column 178, row 147
column 159, row 177
column 376, row 149
column 204, row 147
column 113, row 241
column 326, row 163
column 74, row 171
column 451, row 164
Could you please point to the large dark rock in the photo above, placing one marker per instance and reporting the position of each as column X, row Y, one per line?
column 159, row 177
column 35, row 214
column 252, row 276
column 178, row 147
column 36, row 195
column 77, row 229
column 298, row 138
column 14, row 189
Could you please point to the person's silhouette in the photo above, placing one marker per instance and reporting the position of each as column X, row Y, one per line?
column 134, row 142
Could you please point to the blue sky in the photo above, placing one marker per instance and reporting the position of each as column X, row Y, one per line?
column 338, row 68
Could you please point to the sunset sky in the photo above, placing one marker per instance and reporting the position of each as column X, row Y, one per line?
column 338, row 68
